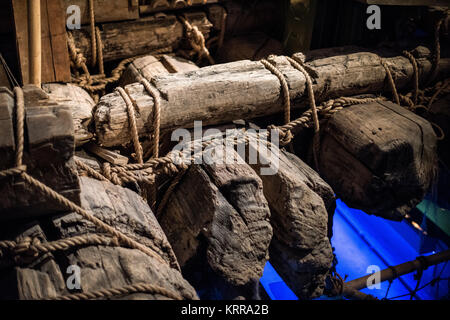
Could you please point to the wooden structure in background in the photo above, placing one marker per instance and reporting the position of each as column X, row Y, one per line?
column 106, row 10
column 55, row 56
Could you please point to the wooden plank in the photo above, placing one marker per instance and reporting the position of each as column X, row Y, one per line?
column 58, row 41
column 388, row 155
column 217, row 221
column 106, row 10
column 302, row 207
column 108, row 155
column 147, row 67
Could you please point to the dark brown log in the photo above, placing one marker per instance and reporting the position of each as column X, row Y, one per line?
column 378, row 157
column 217, row 221
column 143, row 36
column 47, row 155
column 102, row 267
column 246, row 89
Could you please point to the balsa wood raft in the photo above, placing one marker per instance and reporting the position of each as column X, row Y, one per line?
column 221, row 223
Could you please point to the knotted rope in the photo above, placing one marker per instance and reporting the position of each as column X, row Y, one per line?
column 125, row 290
column 132, row 122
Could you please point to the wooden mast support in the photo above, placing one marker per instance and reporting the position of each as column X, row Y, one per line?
column 34, row 31
column 399, row 270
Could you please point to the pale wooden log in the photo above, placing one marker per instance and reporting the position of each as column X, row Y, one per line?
column 217, row 221
column 378, row 157
column 246, row 89
column 133, row 38
column 102, row 267
column 81, row 105
column 47, row 154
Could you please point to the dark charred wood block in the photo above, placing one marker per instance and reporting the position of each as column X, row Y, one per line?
column 378, row 157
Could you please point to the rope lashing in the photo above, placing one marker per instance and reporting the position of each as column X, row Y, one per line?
column 132, row 122
column 125, row 290
column 196, row 40
column 297, row 64
column 93, row 33
column 284, row 88
column 52, row 194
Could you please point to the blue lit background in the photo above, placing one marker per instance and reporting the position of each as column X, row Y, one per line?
column 361, row 240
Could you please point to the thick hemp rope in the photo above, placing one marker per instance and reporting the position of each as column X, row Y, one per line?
column 20, row 170
column 33, row 247
column 125, row 290
column 133, row 126
column 93, row 33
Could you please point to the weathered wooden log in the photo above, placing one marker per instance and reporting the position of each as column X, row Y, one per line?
column 47, row 155
column 439, row 114
column 150, row 66
column 378, row 157
column 80, row 104
column 246, row 89
column 302, row 208
column 101, row 266
column 143, row 36
column 106, row 10
column 217, row 221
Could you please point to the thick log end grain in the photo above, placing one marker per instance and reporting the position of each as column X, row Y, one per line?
column 218, row 216
column 378, row 157
column 47, row 154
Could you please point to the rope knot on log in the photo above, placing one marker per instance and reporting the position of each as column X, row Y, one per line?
column 197, row 40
